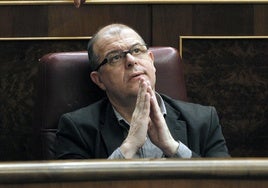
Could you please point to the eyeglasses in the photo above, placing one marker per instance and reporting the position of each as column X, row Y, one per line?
column 117, row 57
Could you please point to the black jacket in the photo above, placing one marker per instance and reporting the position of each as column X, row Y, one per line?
column 93, row 132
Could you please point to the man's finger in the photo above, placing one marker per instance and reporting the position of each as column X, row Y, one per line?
column 77, row 3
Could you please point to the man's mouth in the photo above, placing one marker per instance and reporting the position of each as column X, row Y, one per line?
column 136, row 75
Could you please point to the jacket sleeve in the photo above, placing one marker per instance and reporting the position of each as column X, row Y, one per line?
column 214, row 142
column 69, row 142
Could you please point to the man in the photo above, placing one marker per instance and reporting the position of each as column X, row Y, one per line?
column 134, row 121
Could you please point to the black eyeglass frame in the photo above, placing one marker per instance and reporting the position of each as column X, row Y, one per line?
column 123, row 53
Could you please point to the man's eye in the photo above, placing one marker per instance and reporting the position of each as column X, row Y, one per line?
column 136, row 51
column 115, row 58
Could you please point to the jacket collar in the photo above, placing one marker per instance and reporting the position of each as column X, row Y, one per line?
column 176, row 125
column 111, row 131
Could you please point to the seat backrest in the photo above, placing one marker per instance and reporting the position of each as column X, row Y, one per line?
column 64, row 85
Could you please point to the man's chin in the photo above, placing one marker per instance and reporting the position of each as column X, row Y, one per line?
column 133, row 92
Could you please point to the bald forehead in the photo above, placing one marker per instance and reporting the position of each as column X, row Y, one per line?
column 114, row 31
column 119, row 35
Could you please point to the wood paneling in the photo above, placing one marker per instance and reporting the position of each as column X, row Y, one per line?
column 260, row 15
column 85, row 21
column 223, row 19
column 136, row 173
column 169, row 22
column 65, row 20
column 23, row 21
column 159, row 24
column 136, row 169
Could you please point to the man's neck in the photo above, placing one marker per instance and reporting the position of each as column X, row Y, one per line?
column 125, row 109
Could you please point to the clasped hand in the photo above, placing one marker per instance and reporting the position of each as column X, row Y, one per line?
column 147, row 120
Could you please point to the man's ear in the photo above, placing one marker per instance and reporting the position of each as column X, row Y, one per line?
column 95, row 77
column 151, row 55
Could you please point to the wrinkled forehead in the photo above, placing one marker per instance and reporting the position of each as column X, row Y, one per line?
column 117, row 31
column 112, row 39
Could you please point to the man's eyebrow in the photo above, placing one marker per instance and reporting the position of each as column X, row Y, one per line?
column 114, row 51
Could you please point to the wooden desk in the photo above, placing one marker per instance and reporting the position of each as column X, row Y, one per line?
column 163, row 173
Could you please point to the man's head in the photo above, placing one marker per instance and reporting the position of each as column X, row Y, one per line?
column 112, row 30
column 119, row 59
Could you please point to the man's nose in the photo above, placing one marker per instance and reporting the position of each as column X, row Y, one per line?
column 130, row 60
